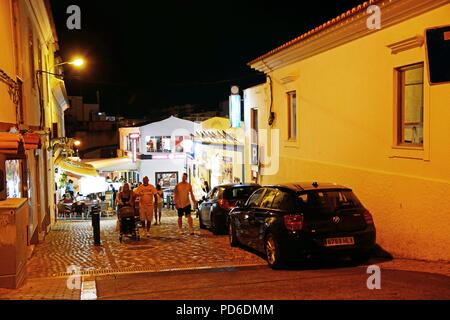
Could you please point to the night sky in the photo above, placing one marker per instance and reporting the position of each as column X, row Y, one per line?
column 146, row 55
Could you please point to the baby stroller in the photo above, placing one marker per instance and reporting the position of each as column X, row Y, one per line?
column 128, row 223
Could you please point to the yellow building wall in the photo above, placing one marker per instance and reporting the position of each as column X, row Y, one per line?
column 345, row 102
column 15, row 61
column 7, row 63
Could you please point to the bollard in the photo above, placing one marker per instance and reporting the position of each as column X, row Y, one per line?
column 96, row 226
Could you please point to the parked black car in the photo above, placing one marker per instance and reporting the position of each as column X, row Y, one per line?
column 292, row 221
column 213, row 211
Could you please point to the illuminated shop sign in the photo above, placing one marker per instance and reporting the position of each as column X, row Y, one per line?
column 235, row 108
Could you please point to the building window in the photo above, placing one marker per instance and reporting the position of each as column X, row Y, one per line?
column 410, row 105
column 292, row 115
column 158, row 144
column 254, row 125
column 179, row 144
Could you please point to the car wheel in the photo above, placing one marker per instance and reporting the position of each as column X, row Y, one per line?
column 202, row 226
column 214, row 224
column 234, row 241
column 273, row 255
column 218, row 227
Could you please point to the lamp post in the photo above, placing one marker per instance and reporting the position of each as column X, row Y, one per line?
column 77, row 143
column 78, row 62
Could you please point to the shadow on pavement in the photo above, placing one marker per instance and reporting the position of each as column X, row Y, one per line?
column 335, row 261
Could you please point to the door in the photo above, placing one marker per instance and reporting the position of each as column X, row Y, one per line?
column 206, row 206
column 258, row 217
column 246, row 217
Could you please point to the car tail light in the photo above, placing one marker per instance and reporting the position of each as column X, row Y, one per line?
column 368, row 217
column 293, row 222
column 224, row 204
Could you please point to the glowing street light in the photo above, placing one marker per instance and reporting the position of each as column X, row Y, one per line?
column 78, row 62
column 77, row 143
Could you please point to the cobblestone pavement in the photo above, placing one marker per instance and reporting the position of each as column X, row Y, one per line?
column 42, row 289
column 70, row 243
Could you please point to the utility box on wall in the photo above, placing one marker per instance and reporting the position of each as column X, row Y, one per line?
column 14, row 215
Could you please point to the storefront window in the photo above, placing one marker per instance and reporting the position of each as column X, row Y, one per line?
column 166, row 144
column 166, row 179
column 179, row 144
column 13, row 179
column 158, row 144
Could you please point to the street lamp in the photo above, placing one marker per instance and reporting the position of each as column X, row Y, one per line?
column 78, row 62
column 77, row 143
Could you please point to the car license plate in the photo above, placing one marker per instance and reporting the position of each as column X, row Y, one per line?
column 333, row 242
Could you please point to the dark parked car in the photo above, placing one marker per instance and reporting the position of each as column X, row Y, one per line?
column 293, row 221
column 213, row 211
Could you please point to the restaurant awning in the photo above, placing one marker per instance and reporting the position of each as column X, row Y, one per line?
column 114, row 164
column 32, row 141
column 76, row 167
column 229, row 137
column 11, row 143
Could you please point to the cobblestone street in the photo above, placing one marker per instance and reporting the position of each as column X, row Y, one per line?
column 70, row 243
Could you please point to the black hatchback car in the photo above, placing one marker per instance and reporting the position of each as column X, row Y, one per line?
column 213, row 211
column 292, row 221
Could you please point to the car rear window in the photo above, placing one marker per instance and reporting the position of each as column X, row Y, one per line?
column 238, row 192
column 328, row 200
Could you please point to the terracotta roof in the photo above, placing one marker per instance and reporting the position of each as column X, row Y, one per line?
column 318, row 29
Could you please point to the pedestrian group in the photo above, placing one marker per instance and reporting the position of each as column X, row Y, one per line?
column 151, row 202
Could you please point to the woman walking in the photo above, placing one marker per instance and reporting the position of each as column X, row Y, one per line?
column 159, row 204
column 125, row 197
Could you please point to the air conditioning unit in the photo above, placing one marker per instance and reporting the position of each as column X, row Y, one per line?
column 2, row 177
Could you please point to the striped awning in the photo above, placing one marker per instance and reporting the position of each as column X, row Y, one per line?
column 76, row 167
column 217, row 137
column 114, row 164
column 32, row 141
column 11, row 143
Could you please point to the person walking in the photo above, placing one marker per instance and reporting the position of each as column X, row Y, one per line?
column 159, row 204
column 114, row 194
column 183, row 204
column 206, row 189
column 125, row 197
column 71, row 189
column 147, row 198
